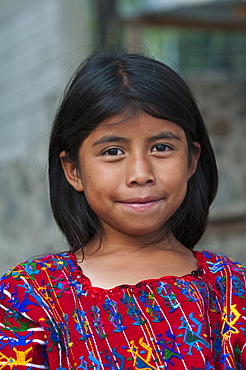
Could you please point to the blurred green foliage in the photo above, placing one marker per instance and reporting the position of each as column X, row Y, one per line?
column 188, row 50
column 212, row 50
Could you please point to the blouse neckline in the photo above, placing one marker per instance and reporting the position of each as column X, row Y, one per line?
column 201, row 260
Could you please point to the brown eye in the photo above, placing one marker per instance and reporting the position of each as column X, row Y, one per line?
column 161, row 148
column 113, row 152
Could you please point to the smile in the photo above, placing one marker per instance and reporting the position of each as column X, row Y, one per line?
column 141, row 204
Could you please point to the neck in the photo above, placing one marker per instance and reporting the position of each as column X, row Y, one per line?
column 116, row 263
column 112, row 244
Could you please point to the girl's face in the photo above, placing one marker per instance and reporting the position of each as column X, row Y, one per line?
column 134, row 175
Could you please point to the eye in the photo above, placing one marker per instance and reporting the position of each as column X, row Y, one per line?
column 112, row 152
column 161, row 148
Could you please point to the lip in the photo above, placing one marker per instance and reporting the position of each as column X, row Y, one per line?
column 141, row 204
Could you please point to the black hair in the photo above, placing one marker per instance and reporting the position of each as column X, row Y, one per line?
column 110, row 83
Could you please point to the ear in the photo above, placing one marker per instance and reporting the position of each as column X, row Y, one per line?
column 71, row 172
column 194, row 158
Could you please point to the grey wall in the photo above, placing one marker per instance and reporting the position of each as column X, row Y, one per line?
column 41, row 42
column 223, row 104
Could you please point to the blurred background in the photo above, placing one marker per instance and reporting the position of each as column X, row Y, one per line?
column 41, row 44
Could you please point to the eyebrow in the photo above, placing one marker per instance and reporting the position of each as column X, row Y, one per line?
column 113, row 138
column 165, row 135
column 110, row 139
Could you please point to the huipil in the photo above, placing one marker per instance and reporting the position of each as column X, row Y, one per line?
column 52, row 318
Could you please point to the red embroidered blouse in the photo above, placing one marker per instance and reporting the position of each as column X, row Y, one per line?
column 52, row 318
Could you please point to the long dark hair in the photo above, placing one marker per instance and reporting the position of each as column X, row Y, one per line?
column 110, row 83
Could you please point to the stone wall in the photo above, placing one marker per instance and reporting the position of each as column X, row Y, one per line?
column 223, row 105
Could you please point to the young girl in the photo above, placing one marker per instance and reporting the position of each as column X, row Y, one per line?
column 132, row 175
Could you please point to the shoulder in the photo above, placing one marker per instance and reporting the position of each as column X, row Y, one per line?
column 30, row 286
column 223, row 275
column 33, row 270
column 220, row 263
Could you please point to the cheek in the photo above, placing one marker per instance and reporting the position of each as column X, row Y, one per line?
column 177, row 185
column 177, row 172
column 96, row 184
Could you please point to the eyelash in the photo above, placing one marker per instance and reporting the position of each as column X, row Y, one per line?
column 164, row 146
column 167, row 147
column 106, row 152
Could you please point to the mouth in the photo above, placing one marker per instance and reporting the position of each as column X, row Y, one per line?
column 141, row 204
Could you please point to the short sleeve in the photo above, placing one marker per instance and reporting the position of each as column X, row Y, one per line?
column 22, row 338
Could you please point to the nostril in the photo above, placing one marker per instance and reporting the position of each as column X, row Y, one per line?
column 138, row 182
column 139, row 174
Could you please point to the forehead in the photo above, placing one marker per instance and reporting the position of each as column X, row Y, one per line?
column 142, row 125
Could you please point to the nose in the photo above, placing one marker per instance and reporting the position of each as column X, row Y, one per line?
column 139, row 171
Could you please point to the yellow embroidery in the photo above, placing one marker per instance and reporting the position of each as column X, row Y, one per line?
column 228, row 324
column 19, row 360
column 139, row 361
